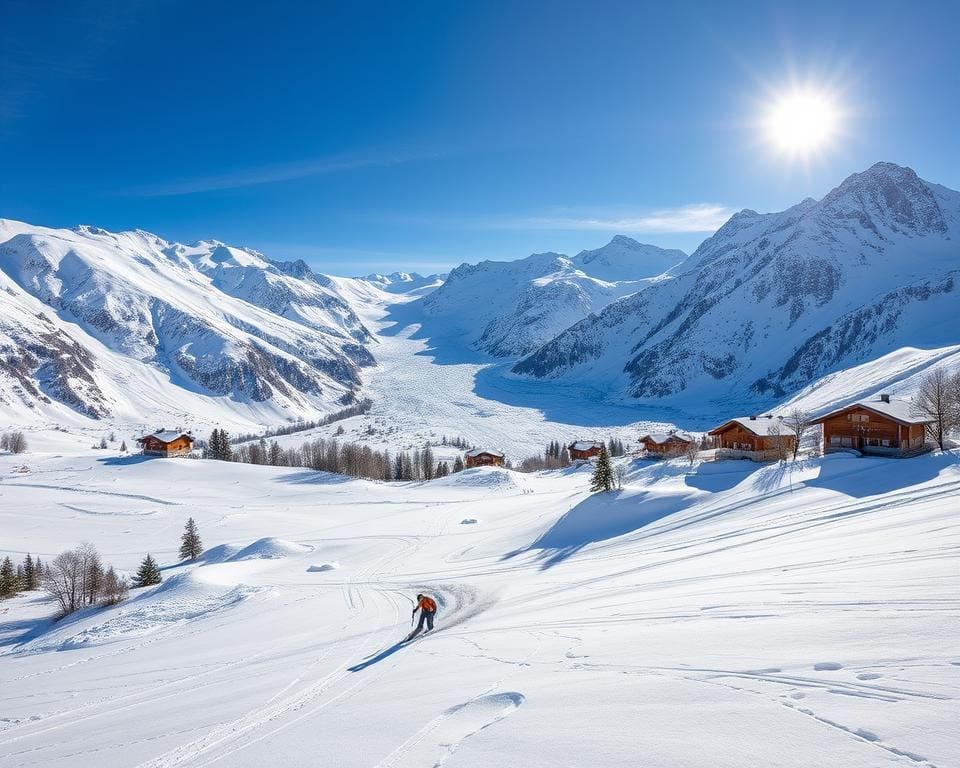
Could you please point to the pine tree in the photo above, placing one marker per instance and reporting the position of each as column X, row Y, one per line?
column 8, row 579
column 148, row 573
column 29, row 573
column 123, row 447
column 458, row 464
column 398, row 467
column 190, row 545
column 602, row 480
column 426, row 459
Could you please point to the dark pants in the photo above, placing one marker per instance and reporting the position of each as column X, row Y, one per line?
column 425, row 616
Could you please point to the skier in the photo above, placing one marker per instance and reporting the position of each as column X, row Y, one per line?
column 428, row 609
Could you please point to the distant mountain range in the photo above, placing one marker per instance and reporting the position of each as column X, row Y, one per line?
column 774, row 301
column 125, row 325
column 510, row 308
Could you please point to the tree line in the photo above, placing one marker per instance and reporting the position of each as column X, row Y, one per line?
column 332, row 455
column 15, row 442
column 357, row 409
column 77, row 578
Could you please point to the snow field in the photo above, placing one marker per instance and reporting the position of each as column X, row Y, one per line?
column 720, row 615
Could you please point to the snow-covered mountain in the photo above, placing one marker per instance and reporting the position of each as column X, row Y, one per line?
column 509, row 308
column 773, row 301
column 127, row 323
column 404, row 282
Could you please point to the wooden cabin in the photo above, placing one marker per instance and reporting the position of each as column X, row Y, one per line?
column 882, row 427
column 581, row 450
column 481, row 458
column 660, row 444
column 760, row 438
column 167, row 443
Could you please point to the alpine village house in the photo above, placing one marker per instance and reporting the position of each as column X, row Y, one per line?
column 660, row 444
column 882, row 427
column 166, row 443
column 760, row 438
column 482, row 458
column 582, row 450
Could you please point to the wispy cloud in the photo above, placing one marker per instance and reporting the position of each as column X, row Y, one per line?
column 698, row 217
column 694, row 218
column 269, row 174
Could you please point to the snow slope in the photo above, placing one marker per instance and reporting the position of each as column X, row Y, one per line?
column 772, row 302
column 128, row 324
column 509, row 308
column 719, row 616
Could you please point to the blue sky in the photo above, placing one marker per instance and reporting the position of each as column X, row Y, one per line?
column 372, row 136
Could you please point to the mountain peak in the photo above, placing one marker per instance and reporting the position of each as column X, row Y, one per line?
column 886, row 196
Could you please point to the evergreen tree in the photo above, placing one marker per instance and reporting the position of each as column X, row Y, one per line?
column 426, row 459
column 442, row 470
column 8, row 579
column 29, row 573
column 387, row 467
column 398, row 467
column 602, row 480
column 458, row 464
column 226, row 450
column 123, row 447
column 190, row 545
column 148, row 573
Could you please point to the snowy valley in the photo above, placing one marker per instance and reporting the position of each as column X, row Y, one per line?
column 798, row 613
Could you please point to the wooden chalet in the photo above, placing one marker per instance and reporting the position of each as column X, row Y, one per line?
column 660, row 444
column 882, row 427
column 481, row 458
column 167, row 443
column 581, row 450
column 760, row 438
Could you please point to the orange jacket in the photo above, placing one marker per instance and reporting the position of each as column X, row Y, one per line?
column 427, row 604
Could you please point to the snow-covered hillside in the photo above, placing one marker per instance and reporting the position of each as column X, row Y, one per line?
column 772, row 302
column 129, row 325
column 719, row 616
column 509, row 308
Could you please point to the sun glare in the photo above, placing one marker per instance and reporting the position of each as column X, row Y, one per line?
column 802, row 122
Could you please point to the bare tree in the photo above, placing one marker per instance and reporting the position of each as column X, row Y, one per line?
column 937, row 399
column 780, row 440
column 115, row 588
column 801, row 422
column 74, row 578
column 692, row 451
column 619, row 476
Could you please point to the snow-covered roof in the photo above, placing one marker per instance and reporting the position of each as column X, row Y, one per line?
column 166, row 436
column 586, row 445
column 761, row 426
column 896, row 409
column 481, row 451
column 661, row 437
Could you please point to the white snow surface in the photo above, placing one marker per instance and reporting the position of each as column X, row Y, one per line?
column 720, row 615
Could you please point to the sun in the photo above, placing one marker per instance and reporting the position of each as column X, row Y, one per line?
column 802, row 122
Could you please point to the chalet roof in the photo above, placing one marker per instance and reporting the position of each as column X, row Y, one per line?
column 897, row 409
column 166, row 436
column 662, row 437
column 761, row 426
column 481, row 452
column 586, row 445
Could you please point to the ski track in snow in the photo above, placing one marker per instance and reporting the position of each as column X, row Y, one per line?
column 776, row 598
